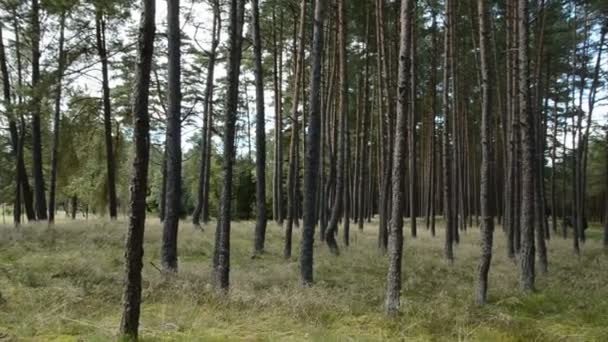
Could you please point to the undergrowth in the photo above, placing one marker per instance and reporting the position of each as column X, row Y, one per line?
column 65, row 283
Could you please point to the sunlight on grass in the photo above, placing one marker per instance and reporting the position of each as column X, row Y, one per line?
column 65, row 284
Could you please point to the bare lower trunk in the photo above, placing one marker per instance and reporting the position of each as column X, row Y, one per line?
column 131, row 298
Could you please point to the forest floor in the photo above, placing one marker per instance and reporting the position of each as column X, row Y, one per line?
column 65, row 284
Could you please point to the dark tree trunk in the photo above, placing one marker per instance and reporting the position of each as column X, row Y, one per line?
column 446, row 145
column 411, row 122
column 222, row 248
column 277, row 200
column 163, row 187
column 395, row 237
column 260, row 133
column 313, row 146
column 139, row 182
column 174, row 137
column 74, row 206
column 56, row 122
column 526, row 118
column 36, row 99
column 107, row 112
column 487, row 155
column 202, row 205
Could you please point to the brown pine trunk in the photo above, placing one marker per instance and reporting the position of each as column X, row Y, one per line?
column 528, row 180
column 487, row 158
column 132, row 287
column 221, row 259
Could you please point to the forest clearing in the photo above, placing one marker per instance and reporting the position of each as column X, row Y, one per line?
column 64, row 284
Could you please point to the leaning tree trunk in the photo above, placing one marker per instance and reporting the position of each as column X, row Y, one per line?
column 174, row 137
column 487, row 158
column 342, row 112
column 260, row 134
column 395, row 236
column 107, row 113
column 36, row 99
column 526, row 118
column 313, row 146
column 56, row 122
column 134, row 251
column 222, row 248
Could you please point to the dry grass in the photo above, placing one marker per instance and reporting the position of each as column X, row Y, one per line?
column 65, row 284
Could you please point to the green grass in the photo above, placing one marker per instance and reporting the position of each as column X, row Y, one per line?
column 65, row 284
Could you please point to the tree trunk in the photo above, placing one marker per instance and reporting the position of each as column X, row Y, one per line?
column 277, row 185
column 526, row 118
column 107, row 112
column 292, row 173
column 342, row 112
column 174, row 137
column 56, row 122
column 36, row 99
column 222, row 247
column 202, row 205
column 447, row 150
column 395, row 237
column 487, row 155
column 313, row 146
column 139, row 182
column 260, row 133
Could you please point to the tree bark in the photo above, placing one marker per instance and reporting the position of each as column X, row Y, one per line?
column 260, row 133
column 107, row 113
column 447, row 149
column 338, row 206
column 174, row 137
column 292, row 172
column 395, row 237
column 487, row 155
column 313, row 146
column 526, row 118
column 139, row 182
column 222, row 247
column 36, row 102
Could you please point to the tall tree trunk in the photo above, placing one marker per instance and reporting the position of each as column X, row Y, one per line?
column 36, row 99
column 292, row 173
column 132, row 287
column 260, row 133
column 395, row 237
column 487, row 157
column 174, row 138
column 338, row 206
column 313, row 146
column 221, row 260
column 107, row 112
column 277, row 200
column 202, row 205
column 526, row 118
column 56, row 121
column 413, row 181
column 447, row 149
